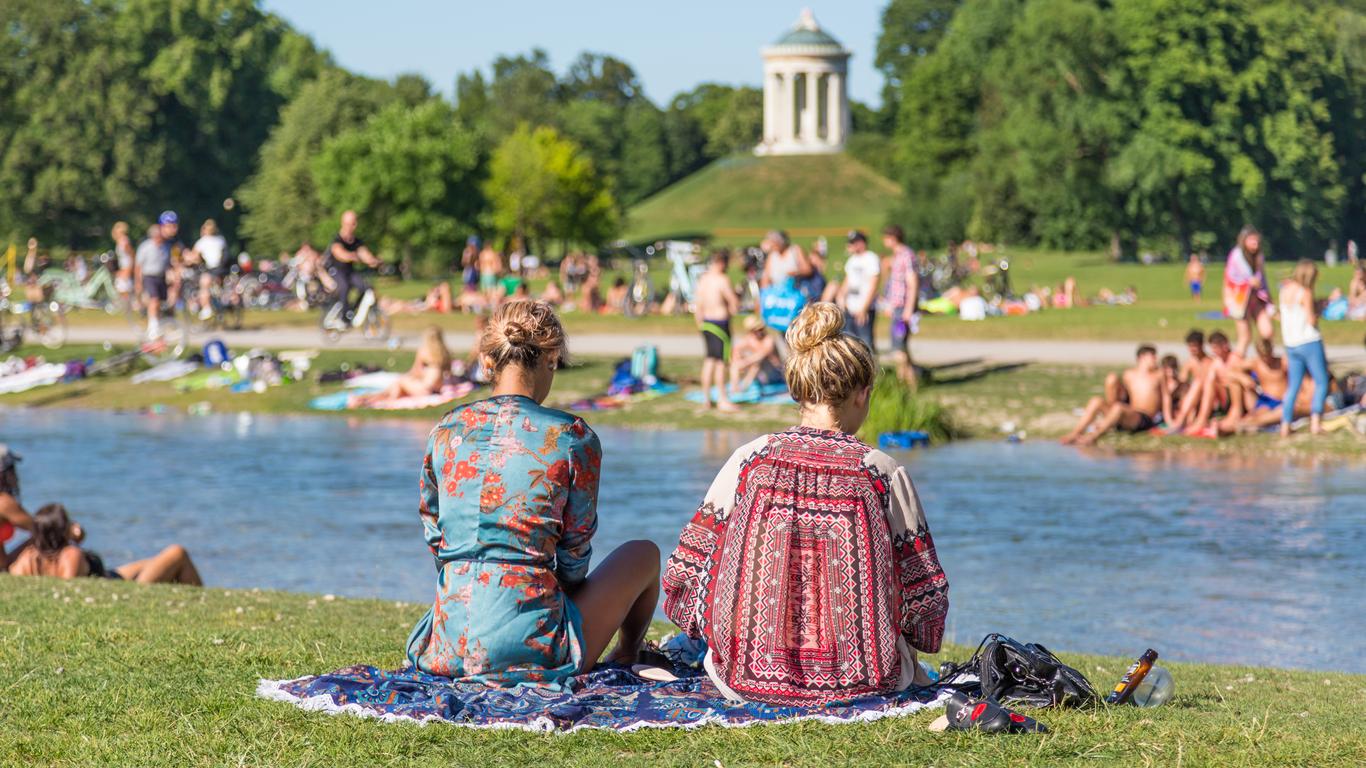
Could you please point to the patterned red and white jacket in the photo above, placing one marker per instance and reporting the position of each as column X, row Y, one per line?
column 810, row 572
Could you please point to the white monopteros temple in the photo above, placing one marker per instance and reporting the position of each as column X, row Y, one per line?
column 806, row 98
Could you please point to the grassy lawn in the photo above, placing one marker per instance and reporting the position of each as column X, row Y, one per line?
column 112, row 674
column 734, row 200
column 1164, row 311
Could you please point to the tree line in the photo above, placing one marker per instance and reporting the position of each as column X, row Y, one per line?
column 117, row 109
column 1120, row 124
column 1128, row 124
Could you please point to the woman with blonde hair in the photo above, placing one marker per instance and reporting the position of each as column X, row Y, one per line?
column 1303, row 345
column 508, row 504
column 123, row 260
column 809, row 567
column 430, row 371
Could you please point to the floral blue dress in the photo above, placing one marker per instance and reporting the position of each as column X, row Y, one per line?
column 509, row 509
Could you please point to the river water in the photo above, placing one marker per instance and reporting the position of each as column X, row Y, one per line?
column 1206, row 558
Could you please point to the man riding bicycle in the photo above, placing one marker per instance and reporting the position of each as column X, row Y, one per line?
column 346, row 251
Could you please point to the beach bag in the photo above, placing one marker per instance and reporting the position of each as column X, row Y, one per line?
column 1023, row 673
column 779, row 305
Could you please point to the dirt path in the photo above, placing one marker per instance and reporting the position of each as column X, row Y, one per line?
column 934, row 351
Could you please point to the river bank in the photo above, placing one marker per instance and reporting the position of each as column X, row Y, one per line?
column 984, row 399
column 104, row 673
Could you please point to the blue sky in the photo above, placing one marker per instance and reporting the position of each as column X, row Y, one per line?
column 673, row 46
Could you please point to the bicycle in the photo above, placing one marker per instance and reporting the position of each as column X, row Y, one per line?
column 44, row 319
column 640, row 296
column 225, row 311
column 369, row 319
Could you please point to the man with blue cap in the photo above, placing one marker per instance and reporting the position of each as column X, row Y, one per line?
column 155, row 264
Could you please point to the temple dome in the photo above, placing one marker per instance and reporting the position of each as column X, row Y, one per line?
column 806, row 36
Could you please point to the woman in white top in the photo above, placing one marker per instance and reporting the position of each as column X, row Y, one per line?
column 212, row 251
column 1303, row 344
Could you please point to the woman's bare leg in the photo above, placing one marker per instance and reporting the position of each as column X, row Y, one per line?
column 171, row 565
column 620, row 594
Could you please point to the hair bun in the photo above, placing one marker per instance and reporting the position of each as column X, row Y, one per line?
column 817, row 324
column 517, row 335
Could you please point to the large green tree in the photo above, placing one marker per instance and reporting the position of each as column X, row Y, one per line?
column 281, row 202
column 410, row 171
column 119, row 108
column 544, row 187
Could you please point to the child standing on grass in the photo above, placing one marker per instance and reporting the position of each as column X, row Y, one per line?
column 1195, row 276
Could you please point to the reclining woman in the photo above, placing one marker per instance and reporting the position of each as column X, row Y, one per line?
column 431, row 370
column 809, row 567
column 509, row 496
column 55, row 552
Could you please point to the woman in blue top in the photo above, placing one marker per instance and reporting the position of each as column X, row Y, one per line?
column 509, row 509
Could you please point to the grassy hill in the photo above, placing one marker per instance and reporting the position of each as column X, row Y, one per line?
column 738, row 198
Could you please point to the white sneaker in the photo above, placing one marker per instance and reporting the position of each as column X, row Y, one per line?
column 206, row 313
column 153, row 330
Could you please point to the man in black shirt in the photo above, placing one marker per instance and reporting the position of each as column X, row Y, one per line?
column 346, row 251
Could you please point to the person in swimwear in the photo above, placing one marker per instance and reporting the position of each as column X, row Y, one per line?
column 716, row 304
column 1135, row 401
column 431, row 370
column 1195, row 276
column 56, row 553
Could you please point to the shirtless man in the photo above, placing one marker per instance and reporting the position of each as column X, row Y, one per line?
column 1193, row 374
column 1216, row 390
column 1142, row 399
column 716, row 303
column 1264, row 378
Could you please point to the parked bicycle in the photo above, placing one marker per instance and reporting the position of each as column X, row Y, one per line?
column 39, row 316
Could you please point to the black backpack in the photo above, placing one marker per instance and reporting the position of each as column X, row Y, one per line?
column 1021, row 673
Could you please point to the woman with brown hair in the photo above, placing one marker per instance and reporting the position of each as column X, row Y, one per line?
column 1246, row 297
column 509, row 496
column 809, row 567
column 1303, row 345
column 55, row 553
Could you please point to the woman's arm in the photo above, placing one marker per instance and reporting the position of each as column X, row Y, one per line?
column 575, row 549
column 429, row 499
column 687, row 575
column 924, row 589
column 14, row 514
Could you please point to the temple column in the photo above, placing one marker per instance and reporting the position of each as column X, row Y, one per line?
column 811, row 114
column 834, row 109
column 770, row 88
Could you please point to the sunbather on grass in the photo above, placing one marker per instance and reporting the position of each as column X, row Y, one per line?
column 431, row 370
column 56, row 551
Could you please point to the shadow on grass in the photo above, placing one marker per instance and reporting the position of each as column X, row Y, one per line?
column 977, row 374
column 61, row 395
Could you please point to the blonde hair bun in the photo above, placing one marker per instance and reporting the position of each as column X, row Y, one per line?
column 826, row 366
column 817, row 324
column 520, row 333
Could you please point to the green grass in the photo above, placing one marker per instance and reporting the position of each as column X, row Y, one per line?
column 736, row 199
column 105, row 673
column 896, row 408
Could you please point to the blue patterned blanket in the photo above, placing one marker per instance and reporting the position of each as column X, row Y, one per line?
column 609, row 697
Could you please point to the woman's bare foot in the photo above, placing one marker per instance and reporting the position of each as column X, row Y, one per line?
column 727, row 407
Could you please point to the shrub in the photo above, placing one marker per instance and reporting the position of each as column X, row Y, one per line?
column 896, row 408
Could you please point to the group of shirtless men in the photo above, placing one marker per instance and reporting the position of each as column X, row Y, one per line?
column 1209, row 395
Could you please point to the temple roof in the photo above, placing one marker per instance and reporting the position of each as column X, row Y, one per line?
column 807, row 36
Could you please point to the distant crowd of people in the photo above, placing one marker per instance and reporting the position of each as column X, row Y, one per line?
column 1229, row 392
